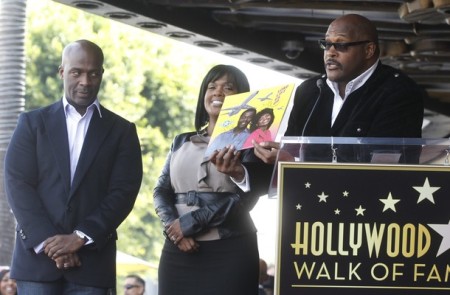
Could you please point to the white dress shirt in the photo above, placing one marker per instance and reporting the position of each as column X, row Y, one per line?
column 77, row 126
column 349, row 88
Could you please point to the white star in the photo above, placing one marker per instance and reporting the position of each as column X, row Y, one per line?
column 337, row 211
column 307, row 185
column 345, row 193
column 426, row 191
column 298, row 207
column 360, row 210
column 444, row 231
column 322, row 197
column 389, row 203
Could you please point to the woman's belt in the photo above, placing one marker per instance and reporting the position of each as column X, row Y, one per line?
column 194, row 198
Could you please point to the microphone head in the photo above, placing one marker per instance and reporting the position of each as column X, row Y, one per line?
column 319, row 83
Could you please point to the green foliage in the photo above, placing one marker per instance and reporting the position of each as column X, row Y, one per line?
column 147, row 80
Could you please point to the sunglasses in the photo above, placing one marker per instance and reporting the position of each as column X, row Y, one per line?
column 340, row 46
column 129, row 286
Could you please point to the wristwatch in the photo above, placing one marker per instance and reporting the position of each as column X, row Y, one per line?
column 81, row 235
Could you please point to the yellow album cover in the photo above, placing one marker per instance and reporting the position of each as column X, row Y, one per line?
column 254, row 115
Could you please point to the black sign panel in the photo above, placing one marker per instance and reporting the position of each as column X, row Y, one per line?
column 363, row 229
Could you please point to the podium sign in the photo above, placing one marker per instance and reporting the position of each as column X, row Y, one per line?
column 363, row 229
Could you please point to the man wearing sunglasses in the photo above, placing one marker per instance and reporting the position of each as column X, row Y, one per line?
column 358, row 96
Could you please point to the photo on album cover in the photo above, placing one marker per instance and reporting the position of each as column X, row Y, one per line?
column 254, row 115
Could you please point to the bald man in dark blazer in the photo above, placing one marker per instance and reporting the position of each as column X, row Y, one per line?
column 72, row 174
column 358, row 97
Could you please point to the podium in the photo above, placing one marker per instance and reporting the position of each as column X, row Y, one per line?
column 362, row 216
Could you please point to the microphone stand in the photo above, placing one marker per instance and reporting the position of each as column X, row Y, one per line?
column 319, row 84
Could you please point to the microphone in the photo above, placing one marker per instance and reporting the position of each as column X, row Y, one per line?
column 319, row 84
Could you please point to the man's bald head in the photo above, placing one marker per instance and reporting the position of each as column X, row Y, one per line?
column 358, row 26
column 86, row 45
column 81, row 71
column 358, row 51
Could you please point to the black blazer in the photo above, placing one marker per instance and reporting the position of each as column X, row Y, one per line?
column 103, row 192
column 389, row 104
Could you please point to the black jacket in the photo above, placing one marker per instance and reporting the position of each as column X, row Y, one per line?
column 45, row 202
column 229, row 214
column 389, row 104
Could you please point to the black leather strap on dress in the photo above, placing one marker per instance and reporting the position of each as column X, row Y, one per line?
column 194, row 198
